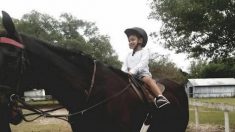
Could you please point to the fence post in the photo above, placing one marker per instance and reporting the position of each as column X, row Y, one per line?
column 196, row 117
column 226, row 121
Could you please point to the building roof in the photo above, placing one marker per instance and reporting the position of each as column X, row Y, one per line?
column 212, row 81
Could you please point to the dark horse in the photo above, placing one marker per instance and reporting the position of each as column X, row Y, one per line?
column 98, row 97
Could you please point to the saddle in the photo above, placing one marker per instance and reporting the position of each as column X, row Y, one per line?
column 142, row 91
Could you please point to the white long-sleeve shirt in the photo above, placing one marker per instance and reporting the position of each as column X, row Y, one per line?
column 138, row 63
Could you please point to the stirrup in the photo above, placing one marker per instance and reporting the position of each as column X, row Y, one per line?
column 163, row 101
column 162, row 105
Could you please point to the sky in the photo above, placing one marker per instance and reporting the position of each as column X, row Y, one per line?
column 112, row 17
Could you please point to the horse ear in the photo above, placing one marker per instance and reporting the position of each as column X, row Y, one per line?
column 9, row 26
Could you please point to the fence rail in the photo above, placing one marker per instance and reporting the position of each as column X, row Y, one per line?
column 211, row 94
column 223, row 107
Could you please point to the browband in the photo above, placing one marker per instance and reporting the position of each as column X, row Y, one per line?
column 11, row 42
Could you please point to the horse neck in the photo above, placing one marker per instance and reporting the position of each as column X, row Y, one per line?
column 64, row 72
column 48, row 69
column 78, row 68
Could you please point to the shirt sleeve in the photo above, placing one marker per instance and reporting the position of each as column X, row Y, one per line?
column 144, row 61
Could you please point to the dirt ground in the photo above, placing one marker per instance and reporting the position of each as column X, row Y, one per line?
column 56, row 125
column 205, row 128
column 43, row 124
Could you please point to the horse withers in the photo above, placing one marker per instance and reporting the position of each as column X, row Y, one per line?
column 98, row 97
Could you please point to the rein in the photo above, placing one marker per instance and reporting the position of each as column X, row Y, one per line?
column 92, row 82
column 39, row 112
column 42, row 113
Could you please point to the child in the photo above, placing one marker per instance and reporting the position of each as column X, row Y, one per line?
column 137, row 63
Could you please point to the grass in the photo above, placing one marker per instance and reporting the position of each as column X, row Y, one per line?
column 43, row 103
column 228, row 101
column 213, row 116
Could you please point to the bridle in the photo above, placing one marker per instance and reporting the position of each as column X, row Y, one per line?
column 41, row 113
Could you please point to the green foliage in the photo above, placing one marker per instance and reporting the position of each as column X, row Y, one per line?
column 70, row 33
column 161, row 67
column 102, row 50
column 213, row 69
column 196, row 68
column 198, row 27
column 39, row 25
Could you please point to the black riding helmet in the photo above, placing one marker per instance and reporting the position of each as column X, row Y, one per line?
column 137, row 31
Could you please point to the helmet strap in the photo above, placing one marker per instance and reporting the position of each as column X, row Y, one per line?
column 136, row 48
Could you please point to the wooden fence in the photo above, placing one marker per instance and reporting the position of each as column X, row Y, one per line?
column 222, row 107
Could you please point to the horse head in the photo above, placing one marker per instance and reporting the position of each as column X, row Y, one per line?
column 10, row 53
column 10, row 50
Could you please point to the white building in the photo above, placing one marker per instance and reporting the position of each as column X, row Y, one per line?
column 36, row 94
column 211, row 87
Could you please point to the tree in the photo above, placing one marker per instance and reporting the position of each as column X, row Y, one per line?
column 213, row 69
column 224, row 68
column 198, row 27
column 39, row 25
column 196, row 68
column 71, row 33
column 161, row 67
column 102, row 50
